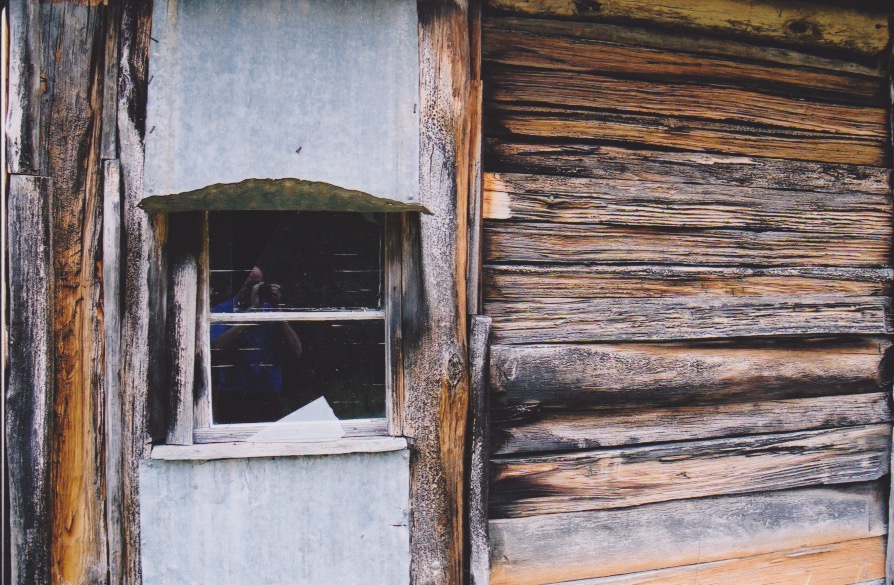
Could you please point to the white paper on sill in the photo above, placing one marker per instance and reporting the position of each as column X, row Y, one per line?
column 313, row 422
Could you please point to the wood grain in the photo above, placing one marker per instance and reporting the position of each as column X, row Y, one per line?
column 842, row 563
column 685, row 134
column 771, row 22
column 535, row 242
column 614, row 163
column 563, row 547
column 575, row 89
column 611, row 428
column 29, row 388
column 479, row 465
column 644, row 203
column 574, row 377
column 561, row 51
column 22, row 117
column 633, row 476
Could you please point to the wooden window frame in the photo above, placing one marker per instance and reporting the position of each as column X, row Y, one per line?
column 189, row 420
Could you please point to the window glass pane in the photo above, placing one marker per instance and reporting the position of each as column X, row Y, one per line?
column 263, row 371
column 269, row 261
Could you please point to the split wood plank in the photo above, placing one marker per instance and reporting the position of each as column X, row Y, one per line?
column 560, row 51
column 524, row 282
column 479, row 465
column 679, row 42
column 686, row 134
column 434, row 300
column 574, row 377
column 29, row 390
column 769, row 21
column 614, row 428
column 22, row 116
column 476, row 198
column 706, row 316
column 633, row 476
column 841, row 563
column 646, row 203
column 562, row 547
column 614, row 163
column 536, row 242
column 575, row 89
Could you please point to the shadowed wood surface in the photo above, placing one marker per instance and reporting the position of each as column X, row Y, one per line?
column 842, row 563
column 672, row 534
column 479, row 466
column 805, row 24
column 632, row 476
column 571, row 377
column 611, row 428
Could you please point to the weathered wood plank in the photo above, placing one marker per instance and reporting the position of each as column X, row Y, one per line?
column 476, row 198
column 807, row 25
column 685, row 134
column 521, row 282
column 530, row 242
column 563, row 547
column 202, row 418
column 645, row 203
column 633, row 476
column 434, row 307
column 22, row 116
column 833, row 564
column 679, row 42
column 575, row 89
column 479, row 467
column 612, row 428
column 573, row 377
column 613, row 163
column 559, row 51
column 29, row 389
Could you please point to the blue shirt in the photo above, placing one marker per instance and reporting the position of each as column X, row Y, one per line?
column 254, row 365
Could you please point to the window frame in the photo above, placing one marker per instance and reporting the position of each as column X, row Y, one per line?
column 199, row 428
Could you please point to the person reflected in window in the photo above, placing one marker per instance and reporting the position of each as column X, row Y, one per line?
column 247, row 359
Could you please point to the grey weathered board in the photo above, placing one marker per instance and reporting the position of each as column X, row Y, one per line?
column 636, row 475
column 343, row 128
column 562, row 547
column 479, row 447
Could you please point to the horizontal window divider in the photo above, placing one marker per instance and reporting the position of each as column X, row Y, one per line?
column 256, row 316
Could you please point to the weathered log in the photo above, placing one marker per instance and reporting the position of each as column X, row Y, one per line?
column 434, row 306
column 575, row 89
column 22, row 117
column 609, row 162
column 547, row 51
column 580, row 545
column 530, row 242
column 479, row 475
column 29, row 389
column 646, row 203
column 572, row 377
column 632, row 476
column 612, row 428
column 832, row 564
column 803, row 24
column 685, row 134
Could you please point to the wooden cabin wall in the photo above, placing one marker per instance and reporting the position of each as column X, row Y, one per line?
column 687, row 261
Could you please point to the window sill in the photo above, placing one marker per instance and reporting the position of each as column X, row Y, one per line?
column 214, row 451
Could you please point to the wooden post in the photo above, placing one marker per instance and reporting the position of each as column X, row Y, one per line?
column 434, row 315
column 29, row 399
column 479, row 476
column 23, row 111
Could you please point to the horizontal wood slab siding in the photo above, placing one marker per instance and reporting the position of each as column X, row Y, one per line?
column 659, row 204
column 531, row 242
column 563, row 377
column 842, row 563
column 632, row 476
column 575, row 89
column 560, row 52
column 806, row 24
column 615, row 163
column 593, row 429
column 562, row 547
column 684, row 134
column 522, row 283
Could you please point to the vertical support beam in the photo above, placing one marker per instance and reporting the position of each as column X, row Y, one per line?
column 201, row 404
column 479, row 475
column 476, row 108
column 29, row 397
column 139, row 244
column 22, row 123
column 434, row 315
column 889, row 555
